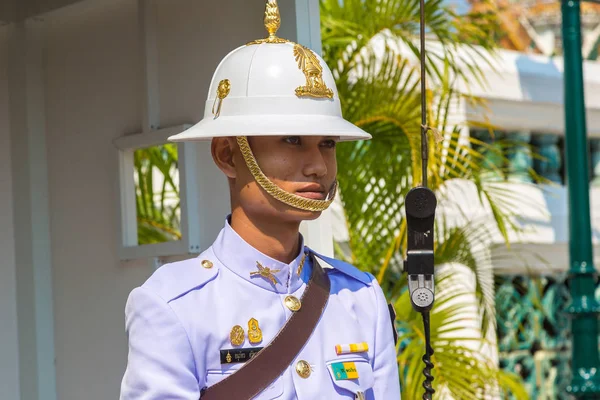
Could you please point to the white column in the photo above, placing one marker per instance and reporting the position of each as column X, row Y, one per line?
column 35, row 319
column 318, row 234
column 308, row 24
column 147, row 21
column 9, row 331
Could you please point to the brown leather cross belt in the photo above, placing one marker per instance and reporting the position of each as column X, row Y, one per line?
column 268, row 365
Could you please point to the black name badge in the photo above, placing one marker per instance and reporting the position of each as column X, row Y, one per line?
column 230, row 356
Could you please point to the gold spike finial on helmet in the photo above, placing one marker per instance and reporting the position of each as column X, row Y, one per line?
column 272, row 24
column 272, row 18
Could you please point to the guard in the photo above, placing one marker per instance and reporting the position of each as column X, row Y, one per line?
column 258, row 315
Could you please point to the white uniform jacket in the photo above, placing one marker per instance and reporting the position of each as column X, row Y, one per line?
column 180, row 319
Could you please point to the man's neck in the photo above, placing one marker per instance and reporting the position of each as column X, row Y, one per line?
column 277, row 240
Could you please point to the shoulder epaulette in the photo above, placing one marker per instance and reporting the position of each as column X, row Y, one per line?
column 173, row 280
column 345, row 268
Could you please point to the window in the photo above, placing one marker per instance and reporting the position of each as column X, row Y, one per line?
column 158, row 195
column 156, row 178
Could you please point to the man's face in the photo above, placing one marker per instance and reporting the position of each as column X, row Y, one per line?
column 303, row 165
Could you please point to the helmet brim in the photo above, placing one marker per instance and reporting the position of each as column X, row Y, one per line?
column 272, row 125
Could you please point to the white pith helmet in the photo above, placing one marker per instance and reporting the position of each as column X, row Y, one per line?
column 272, row 87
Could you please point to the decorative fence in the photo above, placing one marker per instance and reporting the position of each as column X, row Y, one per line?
column 533, row 329
column 534, row 333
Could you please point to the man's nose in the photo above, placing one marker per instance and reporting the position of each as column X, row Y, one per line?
column 314, row 163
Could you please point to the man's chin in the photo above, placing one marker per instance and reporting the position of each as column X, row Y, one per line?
column 275, row 209
column 301, row 215
column 311, row 215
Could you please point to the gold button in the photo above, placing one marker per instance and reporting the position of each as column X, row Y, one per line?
column 303, row 369
column 292, row 303
column 207, row 264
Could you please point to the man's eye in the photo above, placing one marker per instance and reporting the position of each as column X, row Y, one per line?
column 292, row 140
column 329, row 143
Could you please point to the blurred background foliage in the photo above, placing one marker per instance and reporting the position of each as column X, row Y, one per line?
column 379, row 90
column 156, row 176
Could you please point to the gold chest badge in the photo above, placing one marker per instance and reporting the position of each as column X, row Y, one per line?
column 254, row 332
column 236, row 336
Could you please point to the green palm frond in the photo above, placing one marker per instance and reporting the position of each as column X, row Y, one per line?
column 348, row 28
column 467, row 246
column 379, row 173
column 375, row 170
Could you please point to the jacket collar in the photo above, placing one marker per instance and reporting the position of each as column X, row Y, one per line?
column 243, row 260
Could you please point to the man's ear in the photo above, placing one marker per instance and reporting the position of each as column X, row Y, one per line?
column 222, row 150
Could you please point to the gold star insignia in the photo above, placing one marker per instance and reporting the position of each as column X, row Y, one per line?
column 266, row 273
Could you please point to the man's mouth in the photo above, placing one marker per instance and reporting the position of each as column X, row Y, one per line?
column 313, row 195
column 312, row 191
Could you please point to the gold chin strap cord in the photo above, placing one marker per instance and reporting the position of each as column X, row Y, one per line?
column 275, row 191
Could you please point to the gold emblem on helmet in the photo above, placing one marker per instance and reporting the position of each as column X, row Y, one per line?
column 223, row 89
column 307, row 60
column 310, row 65
column 222, row 92
column 272, row 24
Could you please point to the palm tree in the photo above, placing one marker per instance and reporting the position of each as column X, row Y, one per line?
column 379, row 90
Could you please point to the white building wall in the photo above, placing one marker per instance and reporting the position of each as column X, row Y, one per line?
column 92, row 96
